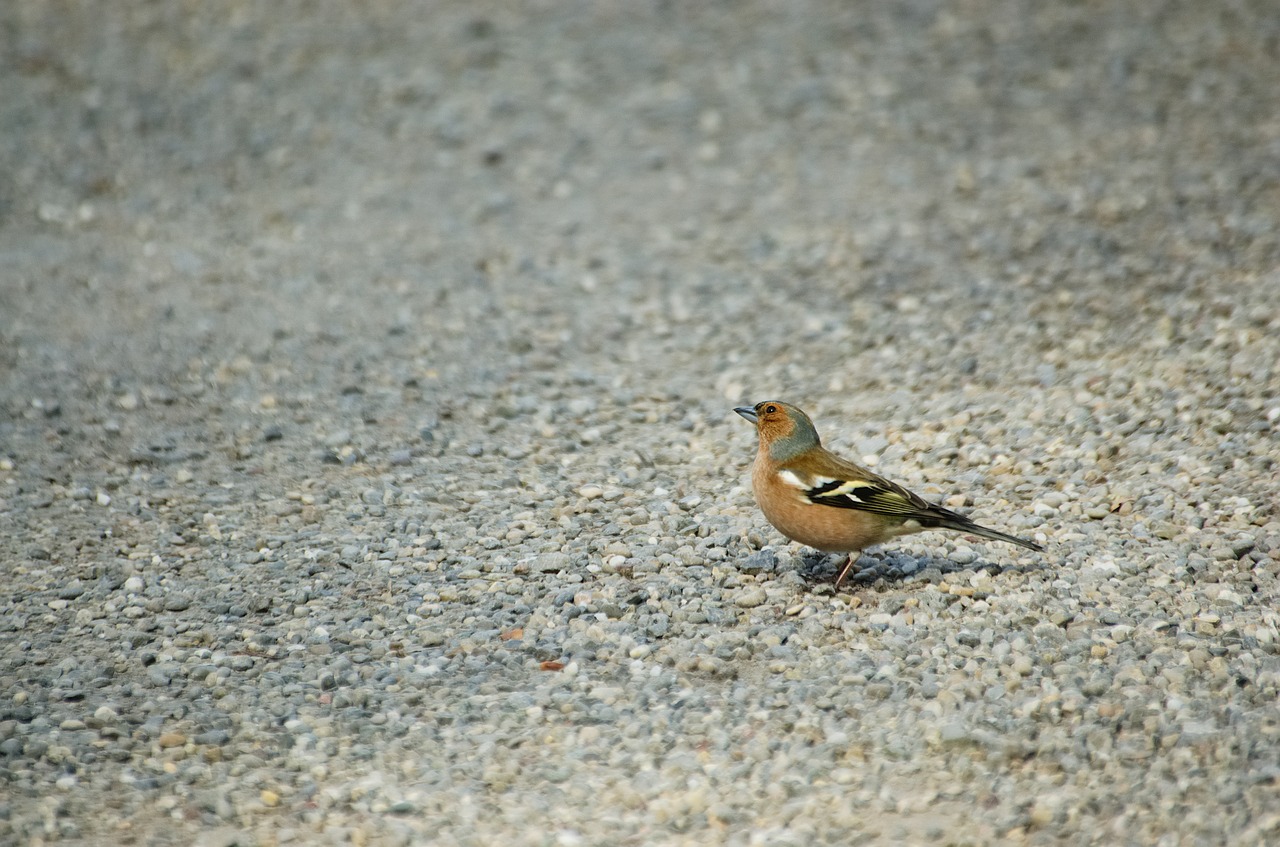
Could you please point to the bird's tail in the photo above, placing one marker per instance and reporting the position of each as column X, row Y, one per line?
column 962, row 524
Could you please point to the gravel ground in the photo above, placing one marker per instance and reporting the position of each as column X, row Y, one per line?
column 368, row 472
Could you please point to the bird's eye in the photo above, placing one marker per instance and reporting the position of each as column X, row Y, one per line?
column 769, row 410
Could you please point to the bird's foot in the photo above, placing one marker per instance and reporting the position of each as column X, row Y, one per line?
column 848, row 566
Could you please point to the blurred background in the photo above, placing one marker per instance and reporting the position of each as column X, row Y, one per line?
column 793, row 194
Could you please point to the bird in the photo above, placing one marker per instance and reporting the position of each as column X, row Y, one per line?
column 813, row 496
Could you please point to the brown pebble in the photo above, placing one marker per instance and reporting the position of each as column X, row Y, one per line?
column 172, row 739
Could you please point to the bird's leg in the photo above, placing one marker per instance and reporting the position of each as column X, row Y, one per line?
column 848, row 564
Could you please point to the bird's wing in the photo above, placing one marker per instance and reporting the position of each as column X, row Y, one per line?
column 825, row 479
column 844, row 485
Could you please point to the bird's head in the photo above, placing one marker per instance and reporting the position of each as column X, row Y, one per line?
column 784, row 430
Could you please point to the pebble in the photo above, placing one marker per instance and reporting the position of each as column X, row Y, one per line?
column 71, row 590
column 762, row 561
column 553, row 562
column 431, row 638
column 177, row 603
column 172, row 739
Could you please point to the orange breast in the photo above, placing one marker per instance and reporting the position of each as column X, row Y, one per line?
column 827, row 528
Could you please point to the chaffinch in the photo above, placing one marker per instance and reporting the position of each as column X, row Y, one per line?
column 813, row 496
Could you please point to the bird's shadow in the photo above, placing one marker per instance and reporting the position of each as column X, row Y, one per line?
column 891, row 567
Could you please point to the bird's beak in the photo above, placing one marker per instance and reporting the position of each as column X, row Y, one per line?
column 748, row 413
